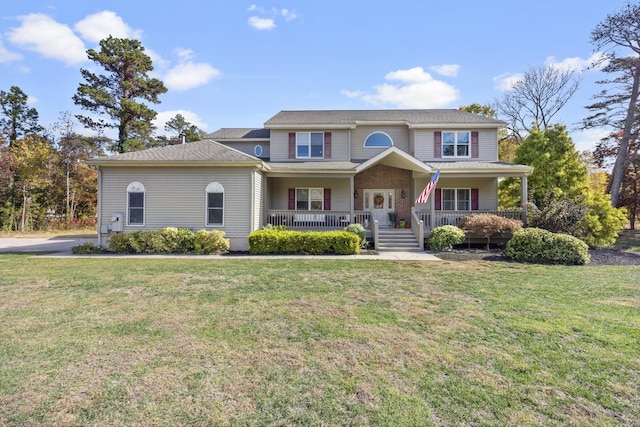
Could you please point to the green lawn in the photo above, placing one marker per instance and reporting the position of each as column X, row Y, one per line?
column 129, row 341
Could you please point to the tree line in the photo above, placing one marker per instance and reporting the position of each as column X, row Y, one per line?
column 44, row 183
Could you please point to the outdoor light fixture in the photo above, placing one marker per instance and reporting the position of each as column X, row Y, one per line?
column 355, row 194
column 403, row 194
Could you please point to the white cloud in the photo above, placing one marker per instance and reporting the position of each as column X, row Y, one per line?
column 6, row 56
column 289, row 15
column 587, row 139
column 448, row 70
column 41, row 34
column 578, row 64
column 418, row 89
column 256, row 8
column 164, row 116
column 504, row 82
column 261, row 23
column 31, row 100
column 104, row 24
column 189, row 75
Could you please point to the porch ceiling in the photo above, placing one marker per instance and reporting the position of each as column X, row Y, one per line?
column 478, row 169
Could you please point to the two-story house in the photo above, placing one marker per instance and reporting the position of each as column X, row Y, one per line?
column 313, row 170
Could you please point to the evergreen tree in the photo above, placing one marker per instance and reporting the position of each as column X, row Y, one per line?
column 19, row 120
column 117, row 94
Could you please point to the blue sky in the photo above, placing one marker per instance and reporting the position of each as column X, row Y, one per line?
column 236, row 64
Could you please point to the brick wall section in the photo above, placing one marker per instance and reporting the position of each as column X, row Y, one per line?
column 381, row 176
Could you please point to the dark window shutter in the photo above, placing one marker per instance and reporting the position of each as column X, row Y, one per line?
column 475, row 152
column 474, row 199
column 438, row 196
column 327, row 145
column 292, row 199
column 292, row 145
column 437, row 144
column 327, row 199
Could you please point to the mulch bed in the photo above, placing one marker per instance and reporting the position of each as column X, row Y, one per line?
column 598, row 256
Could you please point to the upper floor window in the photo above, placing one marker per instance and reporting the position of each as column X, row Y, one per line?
column 215, row 204
column 135, row 204
column 310, row 145
column 257, row 150
column 377, row 140
column 456, row 144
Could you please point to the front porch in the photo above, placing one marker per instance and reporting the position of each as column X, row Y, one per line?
column 337, row 220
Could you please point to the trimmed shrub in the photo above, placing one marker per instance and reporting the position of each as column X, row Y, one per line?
column 210, row 242
column 542, row 246
column 120, row 243
column 445, row 237
column 282, row 241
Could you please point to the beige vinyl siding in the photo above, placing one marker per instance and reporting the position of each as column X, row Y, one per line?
column 248, row 147
column 280, row 145
column 487, row 189
column 340, row 191
column 176, row 197
column 399, row 135
column 487, row 145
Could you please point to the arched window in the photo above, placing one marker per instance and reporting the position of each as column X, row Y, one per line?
column 135, row 204
column 215, row 204
column 378, row 140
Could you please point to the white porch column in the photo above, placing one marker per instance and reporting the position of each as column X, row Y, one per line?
column 523, row 195
column 351, row 199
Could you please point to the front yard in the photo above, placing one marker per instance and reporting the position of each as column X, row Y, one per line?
column 132, row 341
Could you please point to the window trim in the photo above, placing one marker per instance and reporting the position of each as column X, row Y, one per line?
column 456, row 145
column 364, row 144
column 308, row 145
column 456, row 199
column 214, row 188
column 136, row 188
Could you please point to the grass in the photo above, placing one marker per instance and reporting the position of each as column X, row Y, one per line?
column 133, row 341
column 629, row 240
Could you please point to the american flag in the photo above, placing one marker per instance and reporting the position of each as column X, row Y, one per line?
column 424, row 196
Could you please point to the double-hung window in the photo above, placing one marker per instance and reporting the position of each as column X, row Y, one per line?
column 456, row 144
column 310, row 145
column 135, row 204
column 309, row 199
column 215, row 204
column 456, row 199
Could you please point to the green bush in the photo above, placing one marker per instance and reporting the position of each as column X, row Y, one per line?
column 120, row 243
column 542, row 246
column 282, row 241
column 360, row 231
column 445, row 237
column 210, row 242
column 87, row 248
column 590, row 217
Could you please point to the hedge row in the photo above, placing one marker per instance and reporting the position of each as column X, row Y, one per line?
column 170, row 240
column 282, row 241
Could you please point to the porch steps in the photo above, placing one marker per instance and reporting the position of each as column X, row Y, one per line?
column 397, row 239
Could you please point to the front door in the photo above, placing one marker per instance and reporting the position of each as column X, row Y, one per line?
column 380, row 203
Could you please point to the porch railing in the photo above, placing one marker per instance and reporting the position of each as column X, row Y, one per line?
column 455, row 217
column 317, row 220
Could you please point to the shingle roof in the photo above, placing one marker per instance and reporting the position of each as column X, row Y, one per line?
column 199, row 151
column 240, row 133
column 463, row 166
column 350, row 117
